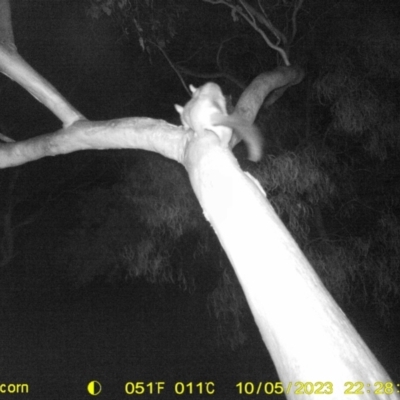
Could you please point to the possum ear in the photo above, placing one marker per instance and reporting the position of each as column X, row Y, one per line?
column 178, row 108
column 192, row 88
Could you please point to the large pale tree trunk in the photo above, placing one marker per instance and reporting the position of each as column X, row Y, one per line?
column 313, row 345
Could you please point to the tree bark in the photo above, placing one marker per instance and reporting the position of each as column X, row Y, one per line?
column 308, row 336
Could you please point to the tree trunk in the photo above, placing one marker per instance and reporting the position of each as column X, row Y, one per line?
column 313, row 345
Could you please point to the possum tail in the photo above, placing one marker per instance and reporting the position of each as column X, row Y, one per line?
column 245, row 131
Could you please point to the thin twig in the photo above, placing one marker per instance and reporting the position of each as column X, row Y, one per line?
column 249, row 17
column 172, row 66
column 6, row 139
column 297, row 7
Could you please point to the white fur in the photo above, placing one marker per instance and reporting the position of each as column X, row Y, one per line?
column 206, row 111
column 206, row 108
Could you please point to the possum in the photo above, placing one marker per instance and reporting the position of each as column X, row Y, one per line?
column 206, row 110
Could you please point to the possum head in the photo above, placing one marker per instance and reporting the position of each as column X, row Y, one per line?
column 203, row 111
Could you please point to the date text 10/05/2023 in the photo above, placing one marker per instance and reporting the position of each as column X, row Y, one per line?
column 358, row 388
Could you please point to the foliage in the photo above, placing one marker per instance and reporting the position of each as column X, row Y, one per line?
column 356, row 88
column 227, row 301
column 153, row 21
column 151, row 227
column 131, row 228
column 161, row 192
column 362, row 270
column 93, row 248
column 296, row 183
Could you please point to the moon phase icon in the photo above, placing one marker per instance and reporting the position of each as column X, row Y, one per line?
column 94, row 388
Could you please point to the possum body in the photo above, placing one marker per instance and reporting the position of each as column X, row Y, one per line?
column 206, row 110
column 206, row 107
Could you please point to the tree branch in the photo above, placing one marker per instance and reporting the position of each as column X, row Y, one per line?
column 249, row 17
column 6, row 32
column 17, row 69
column 265, row 20
column 297, row 7
column 6, row 139
column 172, row 66
column 268, row 86
column 125, row 133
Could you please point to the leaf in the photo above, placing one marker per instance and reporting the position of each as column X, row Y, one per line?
column 234, row 15
column 122, row 4
column 141, row 42
column 106, row 9
column 161, row 43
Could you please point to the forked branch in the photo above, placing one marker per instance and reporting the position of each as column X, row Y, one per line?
column 260, row 21
column 17, row 69
column 135, row 133
column 268, row 86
